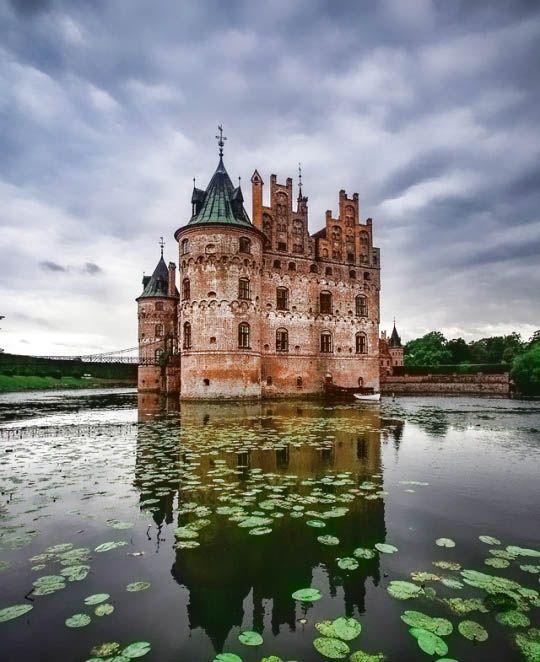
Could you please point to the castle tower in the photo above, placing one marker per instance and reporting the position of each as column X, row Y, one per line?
column 219, row 321
column 395, row 348
column 158, row 341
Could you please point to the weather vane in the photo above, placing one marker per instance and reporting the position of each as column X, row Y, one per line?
column 300, row 179
column 161, row 243
column 221, row 139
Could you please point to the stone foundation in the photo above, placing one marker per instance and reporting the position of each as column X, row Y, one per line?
column 478, row 384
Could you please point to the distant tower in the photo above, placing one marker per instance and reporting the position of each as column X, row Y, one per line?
column 395, row 348
column 220, row 287
column 159, row 368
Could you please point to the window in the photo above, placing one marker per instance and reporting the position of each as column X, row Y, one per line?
column 159, row 330
column 282, row 298
column 298, row 248
column 325, row 303
column 159, row 305
column 361, row 306
column 361, row 343
column 269, row 381
column 326, row 342
column 328, row 271
column 282, row 340
column 243, row 335
column 245, row 245
column 336, row 255
column 185, row 246
column 367, row 275
column 282, row 246
column 243, row 288
column 292, row 266
column 210, row 249
column 185, row 288
column 352, row 274
column 187, row 335
column 313, row 269
column 298, row 228
column 350, row 257
column 277, row 264
column 299, row 382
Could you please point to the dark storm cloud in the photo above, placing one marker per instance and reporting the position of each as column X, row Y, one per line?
column 92, row 269
column 47, row 265
column 428, row 109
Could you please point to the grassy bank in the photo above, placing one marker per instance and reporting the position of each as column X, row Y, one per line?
column 29, row 382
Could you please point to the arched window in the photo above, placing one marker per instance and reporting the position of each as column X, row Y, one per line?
column 158, row 330
column 245, row 245
column 328, row 271
column 292, row 266
column 210, row 249
column 159, row 305
column 243, row 335
column 282, row 340
column 187, row 335
column 299, row 382
column 313, row 269
column 361, row 343
column 185, row 289
column 361, row 306
column 325, row 252
column 325, row 303
column 326, row 342
column 282, row 298
column 243, row 288
column 185, row 246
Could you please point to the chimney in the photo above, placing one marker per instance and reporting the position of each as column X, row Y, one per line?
column 172, row 280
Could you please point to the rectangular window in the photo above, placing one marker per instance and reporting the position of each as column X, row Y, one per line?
column 282, row 340
column 282, row 298
column 325, row 303
column 243, row 288
column 326, row 343
column 282, row 246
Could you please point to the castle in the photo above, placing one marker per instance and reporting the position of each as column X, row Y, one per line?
column 264, row 309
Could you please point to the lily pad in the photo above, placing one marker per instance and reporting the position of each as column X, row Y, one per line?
column 78, row 620
column 107, row 546
column 529, row 644
column 348, row 563
column 9, row 613
column 445, row 542
column 521, row 551
column 416, row 619
column 360, row 656
column 137, row 586
column 96, row 598
column 250, row 638
column 316, row 523
column 260, row 531
column 364, row 553
column 104, row 609
column 136, row 649
column 106, row 649
column 385, row 548
column 227, row 657
column 489, row 540
column 75, row 573
column 429, row 642
column 472, row 630
column 328, row 540
column 346, row 628
column 307, row 594
column 402, row 590
column 335, row 649
column 513, row 619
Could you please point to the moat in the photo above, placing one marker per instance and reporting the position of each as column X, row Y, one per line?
column 131, row 527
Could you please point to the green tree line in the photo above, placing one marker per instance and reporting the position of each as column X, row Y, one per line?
column 523, row 356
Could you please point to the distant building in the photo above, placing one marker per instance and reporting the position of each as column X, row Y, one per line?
column 390, row 353
column 264, row 308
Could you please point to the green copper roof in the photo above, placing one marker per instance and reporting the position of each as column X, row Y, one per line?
column 220, row 203
column 157, row 285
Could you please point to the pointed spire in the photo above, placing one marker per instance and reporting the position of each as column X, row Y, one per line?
column 161, row 244
column 299, row 180
column 221, row 140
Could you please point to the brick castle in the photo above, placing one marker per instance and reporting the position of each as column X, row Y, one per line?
column 262, row 307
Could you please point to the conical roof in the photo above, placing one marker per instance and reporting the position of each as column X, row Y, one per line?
column 395, row 340
column 221, row 203
column 158, row 283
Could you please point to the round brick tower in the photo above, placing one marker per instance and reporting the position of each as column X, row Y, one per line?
column 219, row 316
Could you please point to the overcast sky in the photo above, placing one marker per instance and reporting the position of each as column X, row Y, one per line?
column 428, row 109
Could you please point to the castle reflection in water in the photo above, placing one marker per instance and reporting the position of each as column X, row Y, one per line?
column 230, row 565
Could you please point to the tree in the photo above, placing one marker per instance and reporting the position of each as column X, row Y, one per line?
column 526, row 370
column 427, row 350
column 460, row 351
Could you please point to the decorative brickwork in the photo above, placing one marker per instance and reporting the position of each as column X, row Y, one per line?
column 264, row 309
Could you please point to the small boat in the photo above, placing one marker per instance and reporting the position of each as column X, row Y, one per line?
column 371, row 397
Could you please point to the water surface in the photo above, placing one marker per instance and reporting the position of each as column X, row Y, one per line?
column 82, row 468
